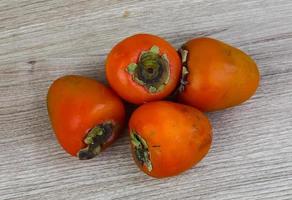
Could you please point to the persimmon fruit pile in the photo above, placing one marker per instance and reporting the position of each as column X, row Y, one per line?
column 166, row 137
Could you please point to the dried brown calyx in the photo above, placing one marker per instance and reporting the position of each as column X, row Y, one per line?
column 141, row 150
column 95, row 138
column 184, row 58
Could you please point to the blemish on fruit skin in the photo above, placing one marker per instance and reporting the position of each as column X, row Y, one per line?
column 152, row 133
column 198, row 118
column 184, row 110
column 195, row 128
column 228, row 52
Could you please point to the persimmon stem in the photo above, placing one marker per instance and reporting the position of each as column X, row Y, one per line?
column 151, row 70
column 141, row 150
column 95, row 138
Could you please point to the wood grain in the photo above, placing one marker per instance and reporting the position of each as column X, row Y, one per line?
column 40, row 40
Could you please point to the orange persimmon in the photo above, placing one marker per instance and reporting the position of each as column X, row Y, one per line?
column 216, row 75
column 85, row 115
column 168, row 138
column 143, row 68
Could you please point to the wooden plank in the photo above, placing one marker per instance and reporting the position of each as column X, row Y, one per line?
column 41, row 40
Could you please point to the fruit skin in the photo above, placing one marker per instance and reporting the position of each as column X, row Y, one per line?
column 76, row 104
column 178, row 136
column 128, row 51
column 220, row 76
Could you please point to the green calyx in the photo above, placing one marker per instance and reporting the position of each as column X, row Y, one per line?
column 184, row 58
column 95, row 138
column 151, row 70
column 141, row 150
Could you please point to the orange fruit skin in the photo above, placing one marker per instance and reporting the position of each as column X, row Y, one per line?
column 178, row 136
column 220, row 76
column 76, row 104
column 128, row 51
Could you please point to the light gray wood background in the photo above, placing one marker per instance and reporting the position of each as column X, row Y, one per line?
column 40, row 40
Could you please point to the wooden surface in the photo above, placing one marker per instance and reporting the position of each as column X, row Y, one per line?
column 40, row 40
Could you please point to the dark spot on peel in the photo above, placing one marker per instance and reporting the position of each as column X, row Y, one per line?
column 184, row 110
column 205, row 142
column 228, row 51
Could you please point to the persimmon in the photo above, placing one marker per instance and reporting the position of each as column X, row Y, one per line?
column 216, row 75
column 143, row 68
column 168, row 138
column 86, row 116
